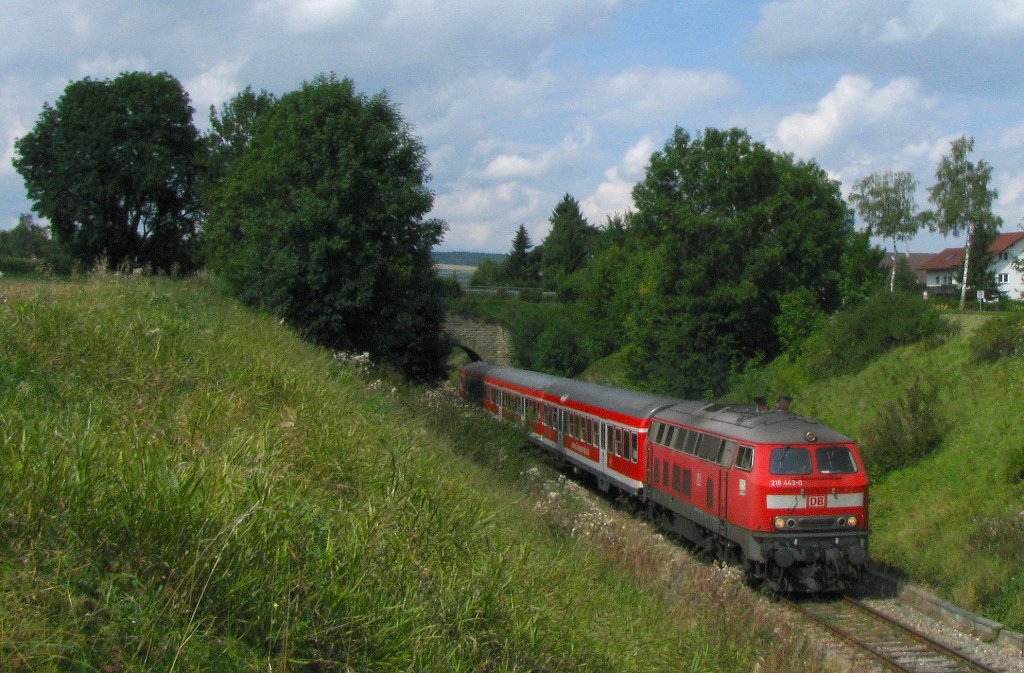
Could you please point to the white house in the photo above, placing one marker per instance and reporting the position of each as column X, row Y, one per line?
column 942, row 269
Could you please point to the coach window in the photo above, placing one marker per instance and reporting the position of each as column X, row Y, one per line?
column 618, row 442
column 745, row 458
column 635, row 442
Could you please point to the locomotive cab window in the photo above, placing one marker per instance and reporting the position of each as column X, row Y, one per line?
column 745, row 458
column 835, row 460
column 790, row 460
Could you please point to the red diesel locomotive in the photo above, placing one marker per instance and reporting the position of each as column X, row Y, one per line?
column 784, row 495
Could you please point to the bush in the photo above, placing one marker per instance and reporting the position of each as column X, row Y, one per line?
column 998, row 338
column 905, row 430
column 798, row 318
column 18, row 265
column 531, row 294
column 857, row 335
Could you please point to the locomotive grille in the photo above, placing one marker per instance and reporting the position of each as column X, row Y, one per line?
column 816, row 522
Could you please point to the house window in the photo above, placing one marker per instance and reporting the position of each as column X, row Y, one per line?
column 1002, row 278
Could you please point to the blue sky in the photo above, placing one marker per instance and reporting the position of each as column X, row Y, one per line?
column 521, row 101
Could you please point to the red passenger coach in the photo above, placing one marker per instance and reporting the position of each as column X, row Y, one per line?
column 784, row 495
column 600, row 429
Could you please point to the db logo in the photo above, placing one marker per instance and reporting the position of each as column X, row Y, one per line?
column 817, row 500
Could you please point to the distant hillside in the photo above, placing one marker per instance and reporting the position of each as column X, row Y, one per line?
column 464, row 258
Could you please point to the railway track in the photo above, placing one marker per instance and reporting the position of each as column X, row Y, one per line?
column 896, row 645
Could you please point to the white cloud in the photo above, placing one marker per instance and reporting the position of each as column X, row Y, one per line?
column 306, row 16
column 486, row 218
column 954, row 44
column 615, row 193
column 655, row 95
column 106, row 66
column 506, row 166
column 213, row 86
column 854, row 103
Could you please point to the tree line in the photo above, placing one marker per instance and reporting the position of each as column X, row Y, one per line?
column 735, row 254
column 313, row 206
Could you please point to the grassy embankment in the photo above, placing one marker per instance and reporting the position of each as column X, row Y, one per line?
column 186, row 486
column 953, row 519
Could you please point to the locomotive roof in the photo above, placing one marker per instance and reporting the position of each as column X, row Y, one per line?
column 744, row 422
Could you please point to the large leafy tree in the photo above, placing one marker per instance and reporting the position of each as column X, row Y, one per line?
column 113, row 165
column 321, row 221
column 733, row 227
column 887, row 205
column 963, row 205
column 233, row 126
column 567, row 246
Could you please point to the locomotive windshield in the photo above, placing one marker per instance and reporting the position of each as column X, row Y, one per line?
column 790, row 460
column 835, row 460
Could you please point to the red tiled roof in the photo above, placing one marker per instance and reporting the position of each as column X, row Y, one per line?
column 950, row 258
column 953, row 258
column 1004, row 241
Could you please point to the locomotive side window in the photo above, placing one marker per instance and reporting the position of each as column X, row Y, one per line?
column 670, row 435
column 709, row 447
column 835, row 460
column 745, row 459
column 680, row 439
column 692, row 437
column 657, row 430
column 790, row 460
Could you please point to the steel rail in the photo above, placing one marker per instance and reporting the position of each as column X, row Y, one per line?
column 898, row 646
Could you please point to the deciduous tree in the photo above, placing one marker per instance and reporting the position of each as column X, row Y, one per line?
column 113, row 165
column 322, row 221
column 963, row 204
column 887, row 205
column 733, row 228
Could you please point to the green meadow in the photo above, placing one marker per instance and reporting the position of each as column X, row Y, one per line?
column 185, row 485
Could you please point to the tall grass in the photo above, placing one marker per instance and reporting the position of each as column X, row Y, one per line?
column 942, row 426
column 184, row 486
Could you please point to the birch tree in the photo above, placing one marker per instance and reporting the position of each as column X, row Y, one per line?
column 963, row 202
column 886, row 203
